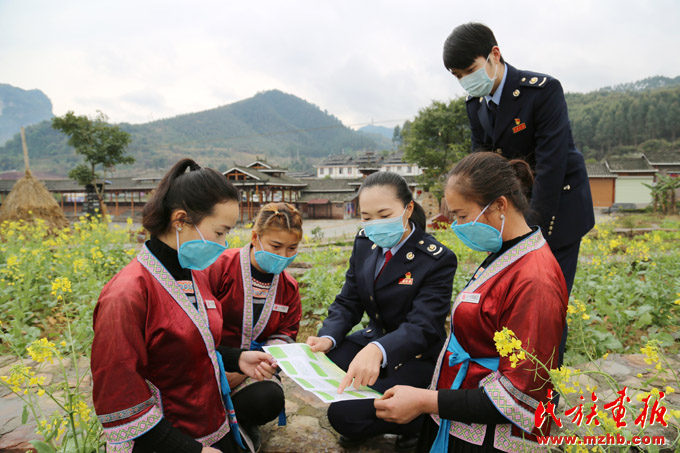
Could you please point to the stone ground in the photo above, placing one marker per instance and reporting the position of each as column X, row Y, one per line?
column 308, row 429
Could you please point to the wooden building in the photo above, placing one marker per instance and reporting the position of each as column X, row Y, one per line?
column 602, row 184
column 261, row 183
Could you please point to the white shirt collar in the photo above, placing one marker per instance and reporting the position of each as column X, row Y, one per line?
column 496, row 98
column 396, row 248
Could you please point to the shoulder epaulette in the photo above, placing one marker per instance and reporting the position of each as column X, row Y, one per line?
column 361, row 233
column 431, row 247
column 533, row 79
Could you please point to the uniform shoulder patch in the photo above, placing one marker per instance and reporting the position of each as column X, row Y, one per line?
column 431, row 247
column 534, row 79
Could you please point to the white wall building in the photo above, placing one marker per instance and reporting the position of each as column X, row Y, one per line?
column 348, row 167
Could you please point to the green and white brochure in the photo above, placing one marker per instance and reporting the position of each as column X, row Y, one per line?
column 316, row 373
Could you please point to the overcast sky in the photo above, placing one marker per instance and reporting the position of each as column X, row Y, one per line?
column 362, row 60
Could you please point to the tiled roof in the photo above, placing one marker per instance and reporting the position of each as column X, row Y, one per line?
column 598, row 170
column 395, row 158
column 264, row 178
column 69, row 185
column 663, row 157
column 332, row 185
column 629, row 164
column 331, row 196
column 336, row 159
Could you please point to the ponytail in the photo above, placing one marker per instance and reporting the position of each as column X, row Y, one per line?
column 485, row 176
column 196, row 191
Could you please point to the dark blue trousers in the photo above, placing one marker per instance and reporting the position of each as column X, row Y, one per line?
column 567, row 258
column 357, row 418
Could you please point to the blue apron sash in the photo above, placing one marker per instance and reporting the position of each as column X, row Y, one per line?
column 458, row 355
column 226, row 397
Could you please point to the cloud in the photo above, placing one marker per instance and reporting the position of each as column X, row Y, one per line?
column 361, row 61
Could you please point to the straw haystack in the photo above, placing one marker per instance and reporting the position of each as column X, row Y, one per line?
column 30, row 199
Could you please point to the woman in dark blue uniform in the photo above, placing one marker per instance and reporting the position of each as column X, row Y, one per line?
column 401, row 277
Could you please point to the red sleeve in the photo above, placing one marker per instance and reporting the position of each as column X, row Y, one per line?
column 119, row 353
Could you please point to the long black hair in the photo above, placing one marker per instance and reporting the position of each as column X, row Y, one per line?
column 196, row 191
column 485, row 176
column 403, row 193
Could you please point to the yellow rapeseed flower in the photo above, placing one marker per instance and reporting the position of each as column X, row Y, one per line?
column 42, row 350
column 651, row 351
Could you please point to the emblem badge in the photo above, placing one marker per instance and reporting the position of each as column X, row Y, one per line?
column 373, row 246
column 410, row 256
column 407, row 280
column 520, row 126
column 533, row 80
column 431, row 248
column 515, row 93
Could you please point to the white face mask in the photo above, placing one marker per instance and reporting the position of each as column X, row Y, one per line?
column 478, row 84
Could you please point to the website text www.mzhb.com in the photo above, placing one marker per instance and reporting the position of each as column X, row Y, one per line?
column 605, row 439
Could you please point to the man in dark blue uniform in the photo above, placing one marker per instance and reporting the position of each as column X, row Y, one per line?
column 523, row 115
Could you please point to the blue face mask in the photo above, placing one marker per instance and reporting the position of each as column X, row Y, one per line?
column 385, row 233
column 480, row 236
column 270, row 262
column 197, row 255
column 478, row 84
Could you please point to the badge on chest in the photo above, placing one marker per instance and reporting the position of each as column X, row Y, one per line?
column 472, row 298
column 280, row 308
column 407, row 280
column 210, row 303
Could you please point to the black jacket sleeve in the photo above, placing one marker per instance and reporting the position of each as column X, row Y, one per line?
column 468, row 406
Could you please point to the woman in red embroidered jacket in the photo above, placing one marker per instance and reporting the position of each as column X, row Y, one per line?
column 261, row 305
column 483, row 402
column 155, row 370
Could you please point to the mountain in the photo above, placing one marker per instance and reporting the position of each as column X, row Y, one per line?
column 19, row 108
column 274, row 124
column 650, row 83
column 383, row 131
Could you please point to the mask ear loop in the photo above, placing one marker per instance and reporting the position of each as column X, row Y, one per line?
column 199, row 233
column 480, row 214
column 502, row 224
column 260, row 242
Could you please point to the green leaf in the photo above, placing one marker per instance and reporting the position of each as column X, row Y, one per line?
column 643, row 321
column 24, row 415
column 42, row 447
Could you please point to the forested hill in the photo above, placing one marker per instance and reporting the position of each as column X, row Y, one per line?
column 618, row 120
column 272, row 124
column 19, row 108
column 650, row 83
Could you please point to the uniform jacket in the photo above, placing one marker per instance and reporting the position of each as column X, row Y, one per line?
column 524, row 290
column 153, row 356
column 532, row 124
column 280, row 318
column 407, row 304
